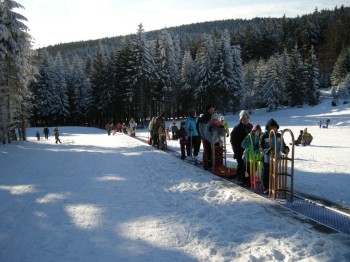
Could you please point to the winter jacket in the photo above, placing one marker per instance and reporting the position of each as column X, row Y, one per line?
column 237, row 136
column 214, row 133
column 251, row 146
column 203, row 122
column 191, row 126
column 182, row 135
column 265, row 146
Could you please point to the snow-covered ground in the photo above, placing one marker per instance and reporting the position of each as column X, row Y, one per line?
column 113, row 198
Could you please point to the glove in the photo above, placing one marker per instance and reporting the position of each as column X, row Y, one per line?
column 227, row 135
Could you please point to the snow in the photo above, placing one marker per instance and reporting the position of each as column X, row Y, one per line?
column 113, row 198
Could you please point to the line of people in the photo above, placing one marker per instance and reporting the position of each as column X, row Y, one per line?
column 250, row 143
column 210, row 129
column 122, row 128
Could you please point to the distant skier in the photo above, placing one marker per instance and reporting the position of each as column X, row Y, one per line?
column 38, row 135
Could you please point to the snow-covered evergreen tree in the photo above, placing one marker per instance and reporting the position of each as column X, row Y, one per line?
column 60, row 103
column 15, row 71
column 283, row 65
column 237, row 77
column 205, row 57
column 295, row 84
column 339, row 77
column 260, row 83
column 79, row 92
column 273, row 84
column 224, row 85
column 43, row 90
column 142, row 74
column 187, row 80
column 167, row 65
column 312, row 84
column 98, row 83
column 249, row 97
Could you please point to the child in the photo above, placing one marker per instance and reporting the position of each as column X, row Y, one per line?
column 213, row 132
column 182, row 135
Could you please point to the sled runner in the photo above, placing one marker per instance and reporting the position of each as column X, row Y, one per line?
column 281, row 167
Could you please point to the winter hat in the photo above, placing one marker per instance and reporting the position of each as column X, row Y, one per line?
column 256, row 127
column 215, row 117
column 191, row 112
column 209, row 106
column 272, row 122
column 243, row 113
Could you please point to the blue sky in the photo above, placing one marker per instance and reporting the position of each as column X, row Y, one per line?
column 60, row 21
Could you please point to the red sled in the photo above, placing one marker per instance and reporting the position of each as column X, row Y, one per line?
column 223, row 171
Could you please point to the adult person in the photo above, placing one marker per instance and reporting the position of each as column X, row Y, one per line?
column 174, row 128
column 46, row 132
column 108, row 128
column 158, row 123
column 193, row 142
column 239, row 132
column 203, row 121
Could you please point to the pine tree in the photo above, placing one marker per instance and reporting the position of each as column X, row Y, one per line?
column 15, row 71
column 273, row 84
column 205, row 57
column 43, row 90
column 142, row 74
column 340, row 76
column 224, row 63
column 260, row 84
column 79, row 92
column 167, row 65
column 249, row 98
column 60, row 104
column 98, row 85
column 187, row 79
column 237, row 77
column 312, row 84
column 295, row 85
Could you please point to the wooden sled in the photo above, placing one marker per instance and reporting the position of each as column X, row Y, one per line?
column 281, row 177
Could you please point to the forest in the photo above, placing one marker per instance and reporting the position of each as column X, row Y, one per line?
column 233, row 64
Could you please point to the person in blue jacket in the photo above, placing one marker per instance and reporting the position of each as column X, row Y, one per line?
column 193, row 142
